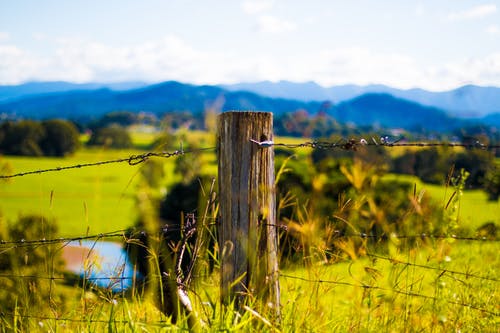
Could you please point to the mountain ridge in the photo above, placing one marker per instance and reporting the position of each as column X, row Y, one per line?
column 8, row 92
column 376, row 109
column 158, row 98
column 466, row 101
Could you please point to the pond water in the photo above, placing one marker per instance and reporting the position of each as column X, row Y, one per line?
column 105, row 264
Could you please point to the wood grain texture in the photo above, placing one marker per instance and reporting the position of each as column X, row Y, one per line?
column 247, row 236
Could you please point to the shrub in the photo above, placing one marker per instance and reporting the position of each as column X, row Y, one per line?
column 26, row 287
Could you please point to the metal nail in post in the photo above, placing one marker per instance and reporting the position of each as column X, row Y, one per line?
column 264, row 144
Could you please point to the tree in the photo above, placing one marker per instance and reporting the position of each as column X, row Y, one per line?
column 120, row 118
column 61, row 138
column 113, row 136
column 430, row 165
column 492, row 184
column 22, row 138
column 478, row 163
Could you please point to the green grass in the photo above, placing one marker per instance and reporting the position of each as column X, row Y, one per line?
column 475, row 208
column 94, row 199
column 398, row 296
column 364, row 295
column 99, row 198
column 102, row 198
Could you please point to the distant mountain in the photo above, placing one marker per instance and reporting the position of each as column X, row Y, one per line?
column 492, row 119
column 159, row 98
column 374, row 109
column 387, row 111
column 308, row 91
column 466, row 101
column 36, row 88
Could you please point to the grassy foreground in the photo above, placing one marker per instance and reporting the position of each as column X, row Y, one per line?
column 437, row 286
column 442, row 287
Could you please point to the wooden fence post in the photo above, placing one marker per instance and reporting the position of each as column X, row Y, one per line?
column 247, row 198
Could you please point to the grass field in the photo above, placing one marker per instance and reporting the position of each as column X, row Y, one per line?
column 398, row 297
column 441, row 287
column 93, row 199
column 475, row 208
column 98, row 198
column 435, row 286
column 102, row 198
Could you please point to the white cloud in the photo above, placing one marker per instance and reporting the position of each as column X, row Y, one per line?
column 39, row 37
column 493, row 29
column 171, row 58
column 273, row 24
column 4, row 36
column 419, row 10
column 257, row 6
column 363, row 66
column 16, row 65
column 473, row 13
column 266, row 22
column 483, row 71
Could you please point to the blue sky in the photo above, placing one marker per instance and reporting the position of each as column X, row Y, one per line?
column 436, row 44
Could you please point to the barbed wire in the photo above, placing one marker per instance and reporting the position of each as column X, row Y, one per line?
column 384, row 141
column 338, row 234
column 371, row 255
column 341, row 234
column 131, row 160
column 283, row 275
column 116, row 279
column 343, row 144
column 397, row 291
column 84, row 320
column 443, row 270
column 130, row 234
column 64, row 278
column 45, row 241
column 127, row 235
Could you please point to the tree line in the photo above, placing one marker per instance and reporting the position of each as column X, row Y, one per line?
column 39, row 138
column 59, row 137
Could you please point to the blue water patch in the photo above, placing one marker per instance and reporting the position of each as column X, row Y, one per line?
column 108, row 266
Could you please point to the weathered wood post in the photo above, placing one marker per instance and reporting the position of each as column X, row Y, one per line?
column 247, row 236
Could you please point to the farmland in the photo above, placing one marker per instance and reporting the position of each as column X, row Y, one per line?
column 81, row 199
column 431, row 285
